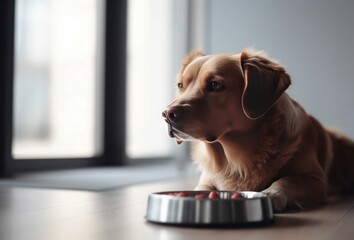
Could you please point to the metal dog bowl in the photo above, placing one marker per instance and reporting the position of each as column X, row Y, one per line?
column 251, row 208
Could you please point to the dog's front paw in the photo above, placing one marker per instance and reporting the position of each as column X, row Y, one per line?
column 204, row 188
column 278, row 198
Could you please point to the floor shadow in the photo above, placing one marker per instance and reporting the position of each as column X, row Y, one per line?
column 282, row 221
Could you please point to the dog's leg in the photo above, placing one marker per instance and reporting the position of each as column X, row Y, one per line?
column 202, row 187
column 341, row 173
column 296, row 192
column 204, row 184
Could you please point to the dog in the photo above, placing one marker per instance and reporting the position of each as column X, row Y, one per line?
column 249, row 134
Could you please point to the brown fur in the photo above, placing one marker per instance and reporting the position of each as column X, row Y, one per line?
column 250, row 135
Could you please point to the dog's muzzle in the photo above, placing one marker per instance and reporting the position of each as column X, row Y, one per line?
column 172, row 116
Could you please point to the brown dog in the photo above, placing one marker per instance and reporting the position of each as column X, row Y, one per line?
column 252, row 135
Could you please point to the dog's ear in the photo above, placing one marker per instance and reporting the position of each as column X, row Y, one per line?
column 189, row 58
column 264, row 83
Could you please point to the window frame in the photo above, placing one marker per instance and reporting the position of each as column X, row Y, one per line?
column 114, row 102
column 7, row 8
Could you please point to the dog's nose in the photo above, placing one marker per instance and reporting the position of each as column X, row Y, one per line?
column 172, row 113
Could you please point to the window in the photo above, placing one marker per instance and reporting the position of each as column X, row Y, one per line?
column 149, row 78
column 76, row 94
column 46, row 46
column 57, row 78
column 157, row 43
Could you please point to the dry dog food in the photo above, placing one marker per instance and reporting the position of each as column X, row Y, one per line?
column 214, row 195
column 200, row 196
column 236, row 195
column 210, row 195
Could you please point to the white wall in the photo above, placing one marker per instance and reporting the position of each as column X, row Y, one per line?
column 313, row 39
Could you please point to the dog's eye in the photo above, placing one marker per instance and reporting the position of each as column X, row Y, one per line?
column 180, row 86
column 214, row 86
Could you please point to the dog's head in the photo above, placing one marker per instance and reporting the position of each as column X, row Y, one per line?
column 222, row 93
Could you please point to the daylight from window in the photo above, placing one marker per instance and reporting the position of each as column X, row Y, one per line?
column 150, row 77
column 57, row 68
column 58, row 78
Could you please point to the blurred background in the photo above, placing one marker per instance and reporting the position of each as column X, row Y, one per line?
column 59, row 66
column 59, row 47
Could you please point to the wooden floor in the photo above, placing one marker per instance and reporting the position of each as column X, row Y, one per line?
column 30, row 213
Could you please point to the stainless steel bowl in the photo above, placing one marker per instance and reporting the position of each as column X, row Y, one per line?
column 251, row 208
